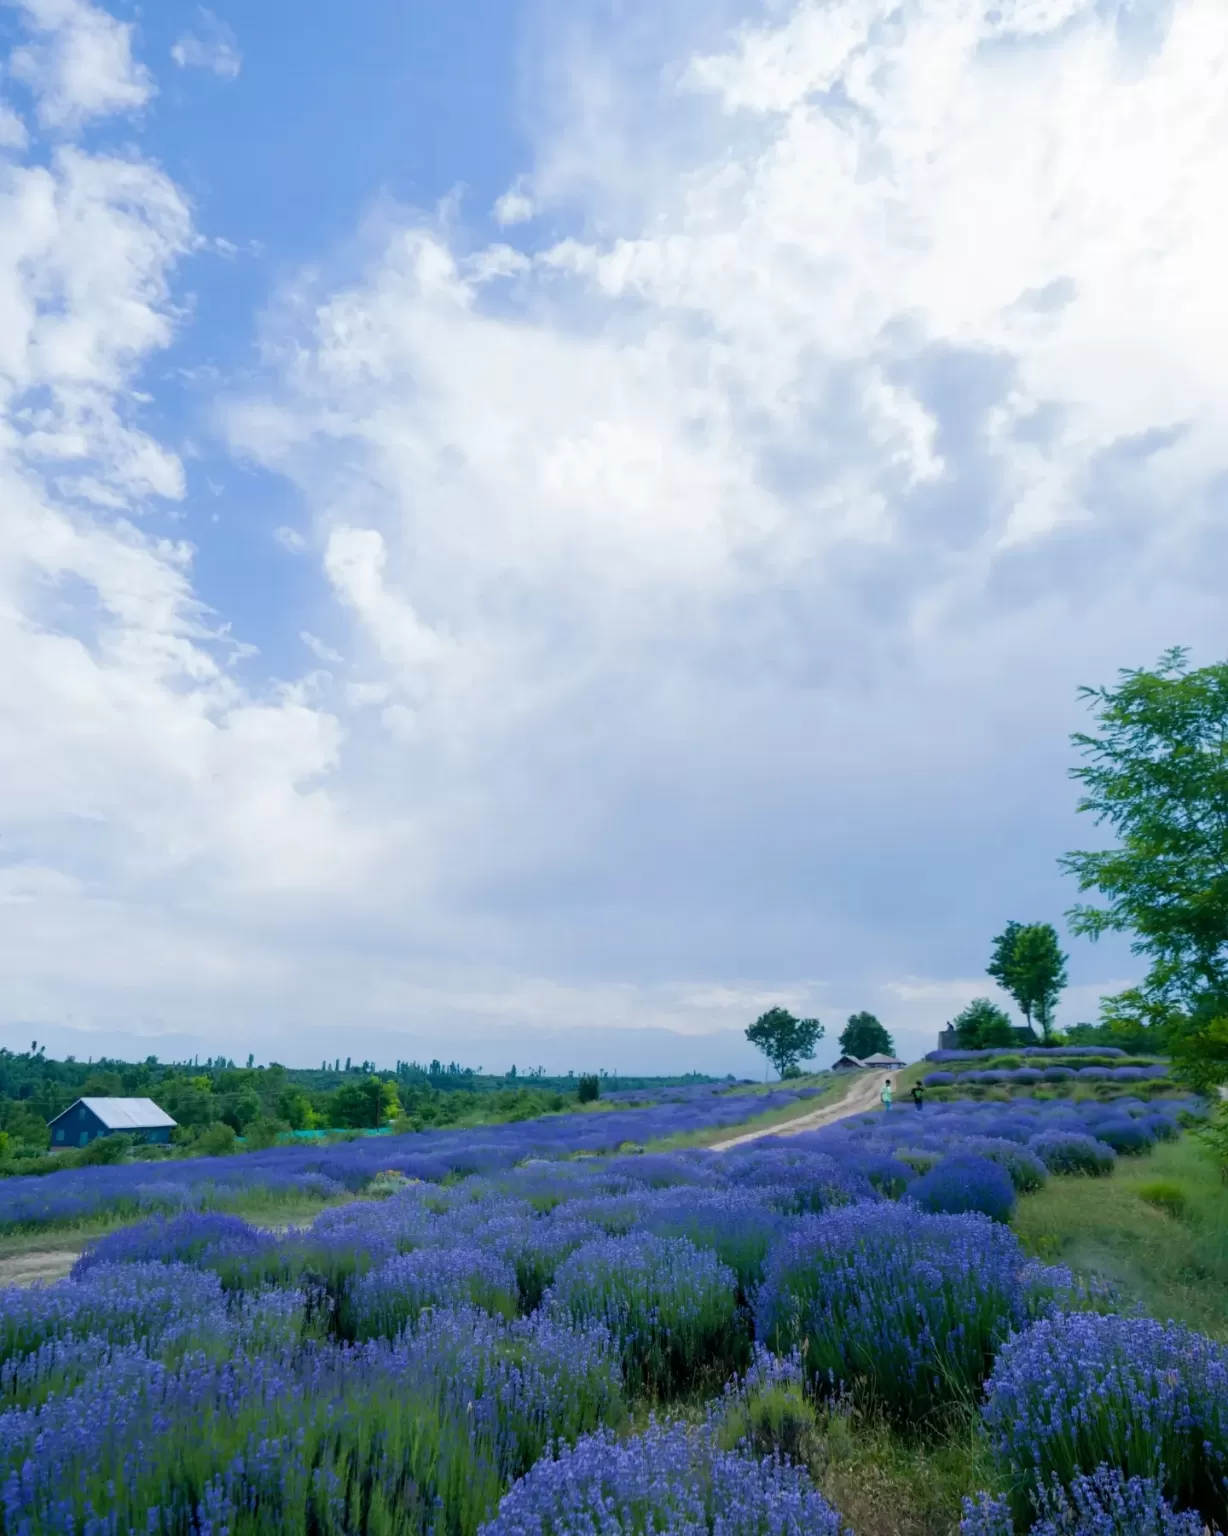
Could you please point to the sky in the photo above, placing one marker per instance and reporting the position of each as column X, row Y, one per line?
column 532, row 531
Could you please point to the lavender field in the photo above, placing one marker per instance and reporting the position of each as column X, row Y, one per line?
column 512, row 1339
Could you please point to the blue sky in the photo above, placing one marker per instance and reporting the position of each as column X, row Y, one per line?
column 532, row 532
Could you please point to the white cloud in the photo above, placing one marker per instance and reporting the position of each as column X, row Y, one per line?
column 515, row 206
column 214, row 48
column 79, row 63
column 320, row 650
column 718, row 586
column 290, row 539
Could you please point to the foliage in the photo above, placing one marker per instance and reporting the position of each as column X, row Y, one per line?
column 1073, row 1152
column 217, row 1140
column 965, row 1183
column 1075, row 1392
column 982, row 1024
column 1028, row 963
column 910, row 1307
column 1156, row 771
column 864, row 1036
column 588, row 1089
column 1107, row 1503
column 670, row 1306
column 784, row 1039
column 1165, row 1195
column 669, row 1478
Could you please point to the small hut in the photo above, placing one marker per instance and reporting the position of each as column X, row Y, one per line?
column 88, row 1119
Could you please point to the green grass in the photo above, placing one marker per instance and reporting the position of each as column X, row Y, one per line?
column 1174, row 1266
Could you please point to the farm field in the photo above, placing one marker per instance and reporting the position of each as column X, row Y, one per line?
column 836, row 1329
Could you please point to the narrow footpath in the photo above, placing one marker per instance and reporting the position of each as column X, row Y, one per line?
column 862, row 1095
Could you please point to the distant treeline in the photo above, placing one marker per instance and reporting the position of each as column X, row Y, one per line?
column 261, row 1103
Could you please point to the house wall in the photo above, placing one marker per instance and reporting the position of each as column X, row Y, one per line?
column 78, row 1126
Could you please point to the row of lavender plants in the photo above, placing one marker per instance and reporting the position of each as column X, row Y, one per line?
column 473, row 1354
column 1030, row 1076
column 1108, row 1052
column 219, row 1183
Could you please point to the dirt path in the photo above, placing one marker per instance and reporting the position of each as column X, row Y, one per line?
column 29, row 1268
column 862, row 1095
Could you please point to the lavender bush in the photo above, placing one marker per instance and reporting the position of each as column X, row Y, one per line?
column 1075, row 1392
column 965, row 1183
column 670, row 1306
column 911, row 1307
column 670, row 1478
column 1107, row 1503
column 1073, row 1152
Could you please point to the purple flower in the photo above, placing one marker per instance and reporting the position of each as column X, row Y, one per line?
column 965, row 1183
column 670, row 1478
column 1077, row 1391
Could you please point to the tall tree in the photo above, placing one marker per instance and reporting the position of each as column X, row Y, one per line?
column 1028, row 963
column 784, row 1039
column 982, row 1024
column 865, row 1036
column 1156, row 771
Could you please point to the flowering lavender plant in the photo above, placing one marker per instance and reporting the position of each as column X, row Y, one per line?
column 671, row 1307
column 1106, row 1503
column 965, row 1183
column 908, row 1305
column 382, row 1302
column 1073, row 1152
column 1077, row 1391
column 668, row 1479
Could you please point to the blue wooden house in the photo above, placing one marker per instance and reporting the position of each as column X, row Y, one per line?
column 88, row 1119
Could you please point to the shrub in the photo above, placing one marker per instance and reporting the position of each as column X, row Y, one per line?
column 1058, row 1074
column 588, row 1089
column 1026, row 1171
column 217, row 1140
column 670, row 1306
column 938, row 1079
column 1075, row 1392
column 382, row 1302
column 733, row 1223
column 191, row 1238
column 1166, row 1195
column 965, row 1183
column 104, row 1151
column 1129, row 1136
column 1105, row 1504
column 1073, row 1152
column 910, row 1306
column 767, row 1411
column 670, row 1478
column 1027, row 1075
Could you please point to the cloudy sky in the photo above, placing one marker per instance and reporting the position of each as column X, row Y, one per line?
column 531, row 530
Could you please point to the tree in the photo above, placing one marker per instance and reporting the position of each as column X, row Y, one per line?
column 588, row 1089
column 1156, row 772
column 1028, row 963
column 365, row 1104
column 784, row 1039
column 982, row 1024
column 865, row 1036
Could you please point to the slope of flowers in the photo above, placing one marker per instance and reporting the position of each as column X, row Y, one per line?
column 330, row 1170
column 472, row 1355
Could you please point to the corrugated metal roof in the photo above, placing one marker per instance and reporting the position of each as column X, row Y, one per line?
column 126, row 1114
column 879, row 1060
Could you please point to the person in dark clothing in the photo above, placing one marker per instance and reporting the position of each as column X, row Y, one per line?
column 918, row 1095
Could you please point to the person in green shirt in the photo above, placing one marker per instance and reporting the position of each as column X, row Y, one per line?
column 885, row 1095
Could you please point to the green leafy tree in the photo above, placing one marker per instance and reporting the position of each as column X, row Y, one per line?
column 1027, row 963
column 864, row 1036
column 1155, row 771
column 366, row 1104
column 784, row 1039
column 981, row 1025
column 588, row 1088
